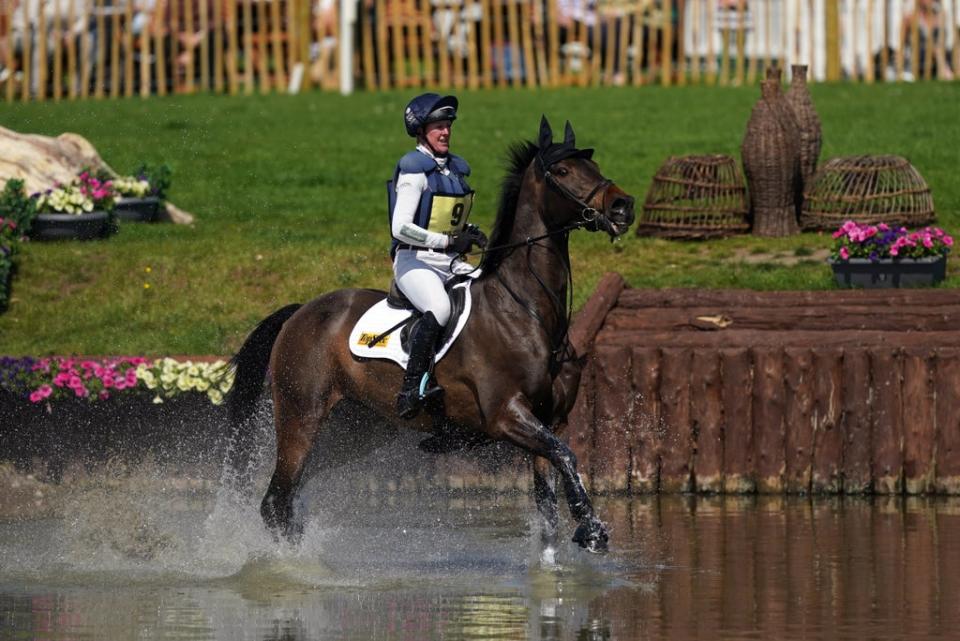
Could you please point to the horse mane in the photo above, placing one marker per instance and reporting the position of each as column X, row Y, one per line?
column 519, row 156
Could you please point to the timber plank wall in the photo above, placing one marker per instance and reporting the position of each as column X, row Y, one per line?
column 773, row 392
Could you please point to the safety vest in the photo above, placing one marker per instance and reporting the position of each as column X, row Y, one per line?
column 446, row 203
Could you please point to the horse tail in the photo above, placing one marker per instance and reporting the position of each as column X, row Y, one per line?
column 250, row 364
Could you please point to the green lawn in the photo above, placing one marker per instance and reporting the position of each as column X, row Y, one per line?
column 289, row 198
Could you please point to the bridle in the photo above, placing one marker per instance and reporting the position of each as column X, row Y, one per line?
column 588, row 214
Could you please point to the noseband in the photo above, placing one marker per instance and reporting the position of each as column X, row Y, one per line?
column 588, row 214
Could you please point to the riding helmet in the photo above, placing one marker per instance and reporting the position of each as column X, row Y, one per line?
column 427, row 108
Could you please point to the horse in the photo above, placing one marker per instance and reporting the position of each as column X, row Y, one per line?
column 511, row 375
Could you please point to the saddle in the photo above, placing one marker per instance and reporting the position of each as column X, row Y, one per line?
column 396, row 299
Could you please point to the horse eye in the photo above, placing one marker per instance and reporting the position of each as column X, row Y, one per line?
column 562, row 171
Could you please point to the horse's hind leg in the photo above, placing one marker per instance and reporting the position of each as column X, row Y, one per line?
column 544, row 492
column 517, row 423
column 296, row 432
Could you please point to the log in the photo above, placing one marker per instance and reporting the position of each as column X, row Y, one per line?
column 886, row 457
column 768, row 428
column 798, row 419
column 676, row 446
column 706, row 415
column 644, row 446
column 919, row 421
column 855, row 423
column 739, row 298
column 860, row 339
column 591, row 316
column 725, row 318
column 948, row 421
column 827, row 439
column 613, row 417
column 736, row 388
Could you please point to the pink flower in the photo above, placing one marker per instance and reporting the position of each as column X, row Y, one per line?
column 61, row 379
column 948, row 240
column 883, row 227
column 131, row 377
column 927, row 242
column 35, row 397
column 108, row 381
column 894, row 250
column 81, row 391
column 121, row 384
column 844, row 254
column 74, row 382
column 45, row 391
column 104, row 395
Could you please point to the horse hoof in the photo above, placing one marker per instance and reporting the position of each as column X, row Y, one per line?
column 592, row 535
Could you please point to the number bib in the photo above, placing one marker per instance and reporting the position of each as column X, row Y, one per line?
column 449, row 212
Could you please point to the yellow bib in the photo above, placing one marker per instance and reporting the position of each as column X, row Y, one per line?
column 448, row 214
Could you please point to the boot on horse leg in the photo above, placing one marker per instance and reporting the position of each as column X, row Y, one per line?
column 418, row 387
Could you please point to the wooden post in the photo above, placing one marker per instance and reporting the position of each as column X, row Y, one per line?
column 114, row 52
column 799, row 418
column 145, row 35
column 173, row 28
column 596, row 51
column 887, row 428
column 833, row 39
column 645, row 439
column 413, row 39
column 57, row 51
column 233, row 48
column 486, row 49
column 496, row 16
column 26, row 43
column 9, row 60
column 948, row 421
column 204, row 16
column 739, row 471
column 681, row 54
column 928, row 50
column 261, row 46
column 161, row 27
column 248, row 47
column 383, row 57
column 741, row 41
column 666, row 47
column 540, row 44
column 828, row 439
column 768, row 425
column 638, row 45
column 676, row 446
column 582, row 424
column 292, row 34
column 41, row 37
column 280, row 81
column 706, row 415
column 885, row 48
column 553, row 38
column 100, row 77
column 697, row 59
column 611, row 455
column 128, row 49
column 609, row 23
column 868, row 67
column 711, row 52
column 513, row 30
column 526, row 36
column 396, row 29
column 901, row 42
column 473, row 67
column 218, row 57
column 369, row 73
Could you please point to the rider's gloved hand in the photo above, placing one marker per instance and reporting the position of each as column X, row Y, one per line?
column 462, row 242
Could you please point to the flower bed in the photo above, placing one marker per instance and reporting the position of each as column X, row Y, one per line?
column 56, row 412
column 876, row 242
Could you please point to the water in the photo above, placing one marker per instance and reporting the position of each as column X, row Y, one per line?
column 122, row 553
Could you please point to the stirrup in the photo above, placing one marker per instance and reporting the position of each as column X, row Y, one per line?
column 411, row 401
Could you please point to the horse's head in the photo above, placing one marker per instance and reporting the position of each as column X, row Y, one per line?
column 577, row 193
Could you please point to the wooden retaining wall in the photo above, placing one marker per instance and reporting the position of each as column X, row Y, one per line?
column 738, row 391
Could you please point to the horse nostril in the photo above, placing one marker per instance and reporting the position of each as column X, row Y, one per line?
column 622, row 206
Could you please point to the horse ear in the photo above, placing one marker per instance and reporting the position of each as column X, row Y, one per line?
column 546, row 134
column 569, row 139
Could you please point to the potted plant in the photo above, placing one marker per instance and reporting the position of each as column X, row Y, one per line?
column 883, row 256
column 82, row 210
column 141, row 194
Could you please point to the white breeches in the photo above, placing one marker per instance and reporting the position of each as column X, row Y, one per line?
column 421, row 275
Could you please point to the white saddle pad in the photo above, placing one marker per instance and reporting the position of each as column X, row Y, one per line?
column 382, row 317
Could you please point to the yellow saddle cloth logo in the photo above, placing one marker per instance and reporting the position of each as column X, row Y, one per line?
column 366, row 338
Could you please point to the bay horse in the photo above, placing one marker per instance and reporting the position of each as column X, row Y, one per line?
column 504, row 378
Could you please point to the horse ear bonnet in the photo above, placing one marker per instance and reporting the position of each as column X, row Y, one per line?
column 551, row 152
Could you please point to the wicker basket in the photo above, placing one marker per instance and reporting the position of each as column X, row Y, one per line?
column 869, row 190
column 696, row 197
column 771, row 162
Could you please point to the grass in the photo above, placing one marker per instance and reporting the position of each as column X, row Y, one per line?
column 289, row 199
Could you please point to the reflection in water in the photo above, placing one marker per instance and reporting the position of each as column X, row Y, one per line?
column 681, row 568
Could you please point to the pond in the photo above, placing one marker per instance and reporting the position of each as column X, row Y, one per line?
column 140, row 553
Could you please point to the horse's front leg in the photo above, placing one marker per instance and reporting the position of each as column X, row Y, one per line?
column 517, row 424
column 544, row 493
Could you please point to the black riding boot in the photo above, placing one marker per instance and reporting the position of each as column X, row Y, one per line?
column 422, row 348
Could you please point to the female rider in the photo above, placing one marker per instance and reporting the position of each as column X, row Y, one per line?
column 429, row 202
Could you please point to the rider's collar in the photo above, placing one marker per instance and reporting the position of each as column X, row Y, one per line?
column 440, row 160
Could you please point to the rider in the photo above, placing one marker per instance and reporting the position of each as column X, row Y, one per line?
column 429, row 202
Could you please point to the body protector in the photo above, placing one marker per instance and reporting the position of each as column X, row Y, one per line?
column 446, row 203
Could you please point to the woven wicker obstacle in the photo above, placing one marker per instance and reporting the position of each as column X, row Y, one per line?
column 694, row 197
column 869, row 190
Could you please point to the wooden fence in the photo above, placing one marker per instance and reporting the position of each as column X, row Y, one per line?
column 737, row 391
column 110, row 48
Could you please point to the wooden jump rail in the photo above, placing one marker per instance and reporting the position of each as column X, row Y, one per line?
column 774, row 392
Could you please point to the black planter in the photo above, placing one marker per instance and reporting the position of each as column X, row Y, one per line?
column 141, row 210
column 87, row 226
column 890, row 272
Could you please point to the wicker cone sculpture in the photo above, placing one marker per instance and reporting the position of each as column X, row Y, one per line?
column 771, row 162
column 811, row 134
